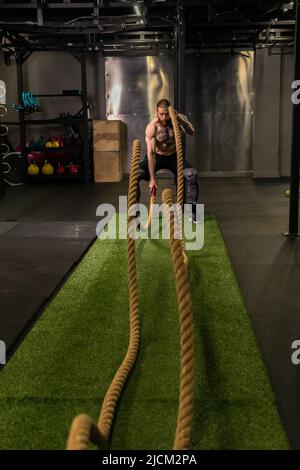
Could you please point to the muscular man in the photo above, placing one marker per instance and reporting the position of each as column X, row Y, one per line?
column 161, row 152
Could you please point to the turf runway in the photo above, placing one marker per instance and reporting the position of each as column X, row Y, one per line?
column 67, row 361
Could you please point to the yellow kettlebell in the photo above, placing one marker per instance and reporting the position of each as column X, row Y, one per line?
column 33, row 169
column 49, row 143
column 47, row 169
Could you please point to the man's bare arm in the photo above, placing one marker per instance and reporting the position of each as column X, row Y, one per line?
column 151, row 147
column 185, row 124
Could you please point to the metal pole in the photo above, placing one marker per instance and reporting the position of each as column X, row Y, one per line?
column 175, row 67
column 21, row 112
column 180, row 58
column 85, row 117
column 179, row 83
column 295, row 156
column 3, row 113
column 2, row 187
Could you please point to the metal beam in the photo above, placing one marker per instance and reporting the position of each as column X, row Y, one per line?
column 85, row 118
column 40, row 18
column 295, row 156
column 20, row 60
column 240, row 24
column 180, row 57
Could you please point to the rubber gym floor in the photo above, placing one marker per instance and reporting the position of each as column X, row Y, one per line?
column 46, row 231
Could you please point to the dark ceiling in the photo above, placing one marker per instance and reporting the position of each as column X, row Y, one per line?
column 146, row 27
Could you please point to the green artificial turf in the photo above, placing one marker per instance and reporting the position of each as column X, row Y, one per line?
column 66, row 363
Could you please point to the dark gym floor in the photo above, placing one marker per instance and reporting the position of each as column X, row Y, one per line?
column 45, row 230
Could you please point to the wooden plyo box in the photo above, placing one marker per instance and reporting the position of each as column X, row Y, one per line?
column 109, row 148
column 107, row 167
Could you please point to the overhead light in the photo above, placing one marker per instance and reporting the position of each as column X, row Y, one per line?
column 137, row 10
column 287, row 6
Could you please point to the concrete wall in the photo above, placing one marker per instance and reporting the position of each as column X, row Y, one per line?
column 273, row 76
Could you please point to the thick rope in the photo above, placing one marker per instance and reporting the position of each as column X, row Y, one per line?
column 148, row 223
column 179, row 152
column 115, row 389
column 180, row 180
column 83, row 430
column 83, row 433
column 187, row 379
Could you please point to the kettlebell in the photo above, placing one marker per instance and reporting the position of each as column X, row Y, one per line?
column 33, row 169
column 47, row 169
column 49, row 143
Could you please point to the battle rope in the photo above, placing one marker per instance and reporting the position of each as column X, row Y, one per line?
column 115, row 389
column 148, row 223
column 180, row 180
column 83, row 430
column 83, row 433
column 179, row 152
column 186, row 393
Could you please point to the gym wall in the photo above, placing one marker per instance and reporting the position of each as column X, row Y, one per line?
column 133, row 87
column 240, row 106
column 219, row 102
column 273, row 77
column 52, row 72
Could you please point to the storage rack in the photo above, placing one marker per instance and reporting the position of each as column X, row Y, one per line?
column 2, row 187
column 22, row 56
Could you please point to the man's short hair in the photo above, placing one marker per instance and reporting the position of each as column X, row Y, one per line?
column 163, row 104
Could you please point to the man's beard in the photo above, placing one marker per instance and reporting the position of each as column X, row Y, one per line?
column 164, row 123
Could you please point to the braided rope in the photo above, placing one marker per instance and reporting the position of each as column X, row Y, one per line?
column 186, row 393
column 179, row 152
column 180, row 180
column 115, row 389
column 83, row 433
column 83, row 429
column 148, row 223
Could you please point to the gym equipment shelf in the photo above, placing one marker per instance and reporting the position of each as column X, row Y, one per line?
column 56, row 177
column 71, row 148
column 45, row 121
column 65, row 93
column 53, row 121
column 82, row 119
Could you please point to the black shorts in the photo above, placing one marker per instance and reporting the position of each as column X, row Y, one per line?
column 162, row 162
